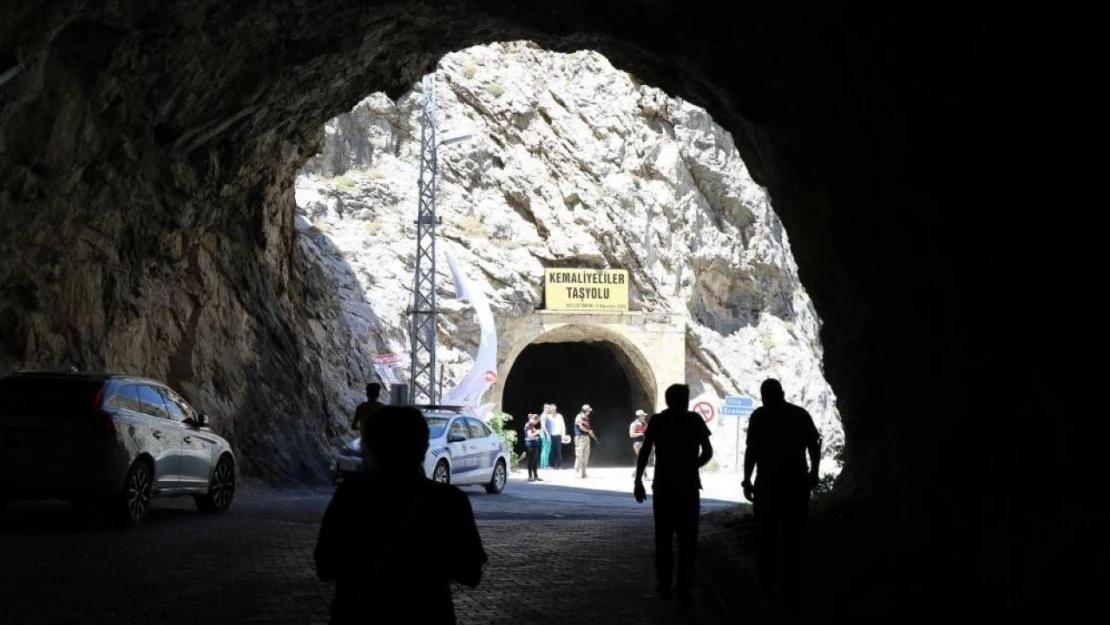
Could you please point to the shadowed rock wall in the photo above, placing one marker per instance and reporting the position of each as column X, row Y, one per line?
column 147, row 155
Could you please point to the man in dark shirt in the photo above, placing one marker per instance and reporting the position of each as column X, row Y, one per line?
column 779, row 435
column 393, row 540
column 681, row 440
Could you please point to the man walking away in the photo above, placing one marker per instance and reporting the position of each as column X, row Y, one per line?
column 636, row 433
column 779, row 435
column 582, row 435
column 368, row 407
column 558, row 437
column 682, row 439
column 373, row 540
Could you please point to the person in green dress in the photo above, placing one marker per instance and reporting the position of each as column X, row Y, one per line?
column 545, row 436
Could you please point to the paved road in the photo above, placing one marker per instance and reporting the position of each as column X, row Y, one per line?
column 592, row 562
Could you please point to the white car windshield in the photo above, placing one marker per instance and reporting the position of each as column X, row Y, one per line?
column 436, row 426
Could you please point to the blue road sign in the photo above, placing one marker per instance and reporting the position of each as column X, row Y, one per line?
column 737, row 406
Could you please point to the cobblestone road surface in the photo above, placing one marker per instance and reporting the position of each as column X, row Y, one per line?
column 591, row 564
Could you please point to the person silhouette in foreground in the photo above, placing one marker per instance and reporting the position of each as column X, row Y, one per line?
column 393, row 540
column 368, row 407
column 680, row 439
column 779, row 435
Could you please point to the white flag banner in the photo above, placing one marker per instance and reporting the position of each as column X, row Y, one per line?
column 484, row 372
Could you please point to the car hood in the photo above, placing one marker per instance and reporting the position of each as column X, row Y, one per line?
column 356, row 444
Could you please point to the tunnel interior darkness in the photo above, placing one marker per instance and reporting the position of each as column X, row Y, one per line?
column 574, row 373
column 146, row 205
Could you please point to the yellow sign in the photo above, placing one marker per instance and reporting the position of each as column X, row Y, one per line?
column 592, row 290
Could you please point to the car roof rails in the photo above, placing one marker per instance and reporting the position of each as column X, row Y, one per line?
column 57, row 372
column 439, row 407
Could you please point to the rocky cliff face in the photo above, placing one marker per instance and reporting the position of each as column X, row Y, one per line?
column 146, row 160
column 570, row 163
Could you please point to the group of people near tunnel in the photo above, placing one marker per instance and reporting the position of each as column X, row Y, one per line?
column 374, row 536
column 544, row 434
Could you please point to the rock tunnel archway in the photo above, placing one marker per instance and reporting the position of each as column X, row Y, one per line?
column 578, row 364
column 159, row 241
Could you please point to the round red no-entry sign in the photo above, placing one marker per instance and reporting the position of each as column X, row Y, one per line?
column 705, row 409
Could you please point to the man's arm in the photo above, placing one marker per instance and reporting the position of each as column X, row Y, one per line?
column 468, row 555
column 706, row 446
column 749, row 451
column 632, row 430
column 706, row 452
column 585, row 427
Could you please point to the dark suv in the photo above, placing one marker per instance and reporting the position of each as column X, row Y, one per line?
column 112, row 439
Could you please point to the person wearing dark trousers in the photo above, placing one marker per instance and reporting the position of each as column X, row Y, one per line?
column 779, row 436
column 532, row 432
column 680, row 439
column 558, row 437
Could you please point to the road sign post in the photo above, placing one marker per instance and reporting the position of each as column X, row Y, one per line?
column 737, row 406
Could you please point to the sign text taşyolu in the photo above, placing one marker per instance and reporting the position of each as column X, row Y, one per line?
column 586, row 289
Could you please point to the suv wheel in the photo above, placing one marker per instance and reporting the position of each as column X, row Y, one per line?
column 137, row 494
column 497, row 481
column 221, row 490
column 441, row 474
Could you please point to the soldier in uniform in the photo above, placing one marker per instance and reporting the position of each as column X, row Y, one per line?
column 583, row 432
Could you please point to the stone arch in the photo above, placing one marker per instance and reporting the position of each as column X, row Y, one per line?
column 630, row 353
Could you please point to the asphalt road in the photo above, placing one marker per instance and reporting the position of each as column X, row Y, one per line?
column 592, row 562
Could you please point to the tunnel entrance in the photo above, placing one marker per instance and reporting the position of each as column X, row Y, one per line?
column 569, row 374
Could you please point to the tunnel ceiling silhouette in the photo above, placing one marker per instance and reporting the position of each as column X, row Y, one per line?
column 147, row 155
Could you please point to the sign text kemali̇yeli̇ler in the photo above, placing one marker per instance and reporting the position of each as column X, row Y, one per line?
column 597, row 290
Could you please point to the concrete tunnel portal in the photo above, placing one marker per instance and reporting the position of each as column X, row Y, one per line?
column 570, row 370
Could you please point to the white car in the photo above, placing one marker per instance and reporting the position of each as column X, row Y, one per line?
column 461, row 450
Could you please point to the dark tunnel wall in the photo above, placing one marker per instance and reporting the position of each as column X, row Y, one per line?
column 570, row 375
column 147, row 154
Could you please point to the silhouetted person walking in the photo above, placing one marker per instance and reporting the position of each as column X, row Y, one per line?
column 779, row 435
column 393, row 540
column 680, row 439
column 368, row 407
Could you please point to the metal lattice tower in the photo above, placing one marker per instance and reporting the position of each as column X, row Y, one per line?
column 422, row 378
